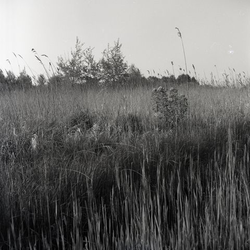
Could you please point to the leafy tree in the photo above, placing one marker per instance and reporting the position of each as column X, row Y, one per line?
column 72, row 68
column 55, row 81
column 172, row 79
column 2, row 81
column 169, row 79
column 134, row 73
column 113, row 67
column 2, row 77
column 183, row 78
column 153, row 79
column 81, row 67
column 10, row 80
column 91, row 68
column 24, row 81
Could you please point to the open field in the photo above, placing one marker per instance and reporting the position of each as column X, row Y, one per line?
column 90, row 169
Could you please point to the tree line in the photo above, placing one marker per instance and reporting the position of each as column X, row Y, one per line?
column 82, row 68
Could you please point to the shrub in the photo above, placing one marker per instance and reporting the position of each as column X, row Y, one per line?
column 134, row 74
column 55, row 81
column 10, row 80
column 169, row 79
column 24, row 81
column 169, row 107
column 183, row 78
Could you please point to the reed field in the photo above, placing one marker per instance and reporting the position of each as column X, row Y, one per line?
column 94, row 168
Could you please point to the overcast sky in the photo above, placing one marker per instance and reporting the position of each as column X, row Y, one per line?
column 215, row 32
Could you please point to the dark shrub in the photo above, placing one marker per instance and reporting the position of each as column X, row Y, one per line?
column 184, row 78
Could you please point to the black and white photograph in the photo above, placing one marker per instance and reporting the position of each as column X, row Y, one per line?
column 124, row 124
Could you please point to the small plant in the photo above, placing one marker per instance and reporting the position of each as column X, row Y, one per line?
column 169, row 107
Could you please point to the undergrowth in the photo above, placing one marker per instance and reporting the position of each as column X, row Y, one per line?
column 104, row 176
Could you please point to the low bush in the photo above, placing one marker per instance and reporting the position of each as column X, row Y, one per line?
column 169, row 107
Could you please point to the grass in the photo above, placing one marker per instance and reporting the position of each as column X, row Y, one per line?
column 102, row 176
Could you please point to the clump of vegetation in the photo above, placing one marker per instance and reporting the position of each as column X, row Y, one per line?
column 82, row 68
column 129, row 123
column 11, row 82
column 185, row 79
column 169, row 107
column 83, row 120
column 120, row 183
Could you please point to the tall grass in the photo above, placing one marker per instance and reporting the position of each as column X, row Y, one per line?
column 102, row 176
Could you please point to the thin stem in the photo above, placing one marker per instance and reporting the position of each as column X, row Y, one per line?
column 180, row 35
column 184, row 55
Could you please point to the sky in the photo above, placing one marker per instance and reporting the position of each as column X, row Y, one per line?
column 214, row 32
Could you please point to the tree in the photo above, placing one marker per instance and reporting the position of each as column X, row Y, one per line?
column 183, row 78
column 81, row 67
column 91, row 68
column 55, row 81
column 10, row 80
column 113, row 67
column 2, row 77
column 23, row 81
column 169, row 79
column 153, row 79
column 72, row 68
column 133, row 73
column 2, row 81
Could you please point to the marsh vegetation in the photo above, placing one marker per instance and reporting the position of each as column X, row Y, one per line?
column 94, row 155
column 107, row 173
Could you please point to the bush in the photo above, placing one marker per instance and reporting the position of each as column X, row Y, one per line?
column 169, row 79
column 169, row 107
column 11, row 82
column 55, row 81
column 24, row 81
column 183, row 78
